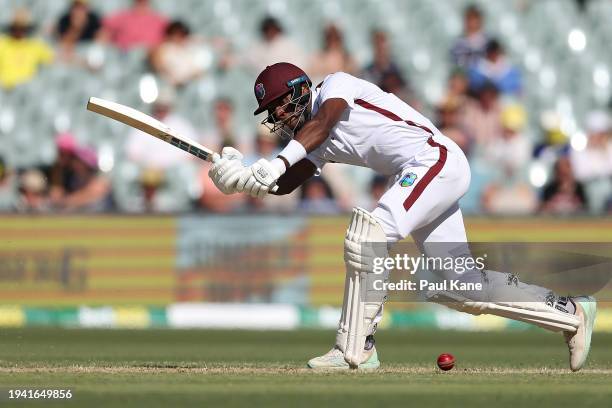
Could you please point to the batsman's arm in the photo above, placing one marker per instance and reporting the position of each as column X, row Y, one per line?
column 316, row 130
column 294, row 177
column 297, row 168
column 311, row 136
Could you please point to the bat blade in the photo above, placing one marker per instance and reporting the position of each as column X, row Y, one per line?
column 148, row 124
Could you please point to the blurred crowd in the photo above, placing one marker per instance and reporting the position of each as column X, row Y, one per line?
column 482, row 110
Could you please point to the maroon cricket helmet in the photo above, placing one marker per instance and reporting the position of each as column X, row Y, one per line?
column 276, row 81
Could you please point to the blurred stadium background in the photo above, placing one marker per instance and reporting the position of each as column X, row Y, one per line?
column 105, row 227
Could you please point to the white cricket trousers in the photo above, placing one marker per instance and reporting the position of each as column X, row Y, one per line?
column 425, row 205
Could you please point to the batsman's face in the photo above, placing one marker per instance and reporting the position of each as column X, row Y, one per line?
column 286, row 115
column 284, row 111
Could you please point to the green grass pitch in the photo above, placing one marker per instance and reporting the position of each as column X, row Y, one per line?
column 245, row 368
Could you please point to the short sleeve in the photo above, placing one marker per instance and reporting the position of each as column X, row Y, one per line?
column 340, row 85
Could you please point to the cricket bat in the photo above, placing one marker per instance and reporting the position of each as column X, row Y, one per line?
column 148, row 124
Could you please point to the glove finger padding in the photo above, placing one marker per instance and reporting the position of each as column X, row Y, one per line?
column 230, row 153
column 254, row 190
column 218, row 169
column 231, row 173
column 214, row 169
column 224, row 174
column 243, row 178
column 250, row 182
column 229, row 182
column 263, row 191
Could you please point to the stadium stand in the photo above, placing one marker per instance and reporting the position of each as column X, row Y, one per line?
column 565, row 67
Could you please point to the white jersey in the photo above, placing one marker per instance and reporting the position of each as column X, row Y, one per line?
column 377, row 130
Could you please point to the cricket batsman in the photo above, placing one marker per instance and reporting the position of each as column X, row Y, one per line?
column 345, row 119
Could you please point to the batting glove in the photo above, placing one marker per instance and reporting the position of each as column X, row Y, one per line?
column 226, row 170
column 258, row 179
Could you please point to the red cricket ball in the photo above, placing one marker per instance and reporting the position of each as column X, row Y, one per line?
column 446, row 361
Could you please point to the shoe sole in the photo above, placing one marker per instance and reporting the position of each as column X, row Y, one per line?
column 368, row 365
column 590, row 310
column 362, row 367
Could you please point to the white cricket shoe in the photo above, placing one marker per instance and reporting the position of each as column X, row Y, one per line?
column 334, row 360
column 579, row 342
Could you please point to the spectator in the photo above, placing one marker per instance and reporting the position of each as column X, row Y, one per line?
column 266, row 146
column 563, row 195
column 394, row 83
column 162, row 175
column 138, row 26
column 553, row 140
column 512, row 150
column 149, row 152
column 8, row 187
column 509, row 193
column 496, row 68
column 88, row 189
column 317, row 198
column 224, row 131
column 383, row 63
column 151, row 180
column 333, row 56
column 593, row 164
column 456, row 89
column 481, row 117
column 177, row 59
column 595, row 161
column 349, row 185
column 470, row 47
column 378, row 187
column 32, row 192
column 273, row 47
column 582, row 5
column 21, row 55
column 449, row 123
column 78, row 24
column 61, row 175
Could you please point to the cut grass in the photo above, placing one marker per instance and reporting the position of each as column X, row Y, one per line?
column 224, row 368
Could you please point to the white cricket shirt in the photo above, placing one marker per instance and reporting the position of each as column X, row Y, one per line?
column 377, row 130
